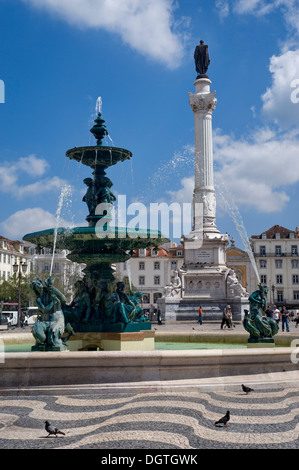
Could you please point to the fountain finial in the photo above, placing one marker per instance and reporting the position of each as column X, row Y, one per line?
column 99, row 129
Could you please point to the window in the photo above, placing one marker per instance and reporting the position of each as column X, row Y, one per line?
column 278, row 263
column 141, row 280
column 157, row 295
column 146, row 298
column 46, row 267
column 263, row 279
column 173, row 264
column 294, row 250
column 157, row 265
column 279, row 279
column 278, row 250
column 8, row 258
column 141, row 266
column 294, row 263
column 142, row 251
column 295, row 278
column 179, row 253
column 262, row 250
column 263, row 264
column 296, row 295
column 154, row 252
column 157, row 280
column 4, row 258
column 57, row 267
column 280, row 296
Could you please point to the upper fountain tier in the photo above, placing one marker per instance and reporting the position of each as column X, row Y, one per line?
column 98, row 156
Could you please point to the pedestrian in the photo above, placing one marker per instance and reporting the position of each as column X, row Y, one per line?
column 296, row 320
column 284, row 315
column 225, row 317
column 151, row 311
column 22, row 319
column 200, row 315
column 159, row 316
column 269, row 312
column 276, row 314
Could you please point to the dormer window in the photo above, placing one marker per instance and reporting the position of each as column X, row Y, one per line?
column 277, row 235
column 179, row 253
column 264, row 236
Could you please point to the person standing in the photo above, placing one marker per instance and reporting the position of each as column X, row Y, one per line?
column 151, row 311
column 200, row 315
column 276, row 314
column 284, row 315
column 269, row 312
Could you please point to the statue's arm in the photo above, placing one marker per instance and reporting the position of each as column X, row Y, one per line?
column 44, row 308
column 58, row 294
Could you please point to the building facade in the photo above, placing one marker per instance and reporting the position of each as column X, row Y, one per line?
column 12, row 252
column 276, row 252
column 150, row 271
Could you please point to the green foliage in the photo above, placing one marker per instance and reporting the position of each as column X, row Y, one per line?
column 9, row 290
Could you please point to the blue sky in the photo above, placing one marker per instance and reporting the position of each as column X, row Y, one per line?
column 58, row 56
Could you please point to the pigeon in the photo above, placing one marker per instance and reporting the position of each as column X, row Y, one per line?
column 224, row 420
column 52, row 430
column 247, row 389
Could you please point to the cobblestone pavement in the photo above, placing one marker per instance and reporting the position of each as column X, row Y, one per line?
column 264, row 419
column 171, row 418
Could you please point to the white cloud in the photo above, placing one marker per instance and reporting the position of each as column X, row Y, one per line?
column 147, row 26
column 28, row 221
column 277, row 100
column 12, row 173
column 255, row 172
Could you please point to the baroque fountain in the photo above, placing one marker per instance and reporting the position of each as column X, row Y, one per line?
column 99, row 306
column 102, row 318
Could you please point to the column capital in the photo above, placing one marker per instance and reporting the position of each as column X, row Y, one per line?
column 203, row 102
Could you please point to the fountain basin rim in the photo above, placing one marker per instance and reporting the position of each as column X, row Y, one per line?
column 98, row 155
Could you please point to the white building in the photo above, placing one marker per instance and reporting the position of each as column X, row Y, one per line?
column 67, row 271
column 150, row 271
column 276, row 252
column 12, row 252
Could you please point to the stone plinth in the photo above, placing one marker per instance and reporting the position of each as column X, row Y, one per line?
column 132, row 341
column 260, row 343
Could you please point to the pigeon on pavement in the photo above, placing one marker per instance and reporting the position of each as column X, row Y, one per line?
column 247, row 389
column 224, row 420
column 52, row 430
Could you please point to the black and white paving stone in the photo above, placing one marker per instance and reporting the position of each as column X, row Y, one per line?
column 267, row 418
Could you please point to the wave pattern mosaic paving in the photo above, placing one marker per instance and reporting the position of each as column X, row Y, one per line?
column 265, row 418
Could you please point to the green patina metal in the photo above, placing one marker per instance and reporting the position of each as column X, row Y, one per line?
column 99, row 305
column 261, row 328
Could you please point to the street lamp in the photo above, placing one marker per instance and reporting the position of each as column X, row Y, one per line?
column 273, row 290
column 19, row 268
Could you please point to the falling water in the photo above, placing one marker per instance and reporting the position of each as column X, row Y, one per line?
column 66, row 192
column 128, row 268
column 236, row 216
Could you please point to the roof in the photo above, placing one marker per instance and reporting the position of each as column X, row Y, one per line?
column 271, row 232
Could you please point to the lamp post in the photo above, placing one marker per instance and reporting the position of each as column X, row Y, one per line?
column 19, row 268
column 273, row 290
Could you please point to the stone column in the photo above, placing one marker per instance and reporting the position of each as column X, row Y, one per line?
column 203, row 103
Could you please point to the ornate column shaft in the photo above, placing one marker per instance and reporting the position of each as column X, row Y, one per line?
column 203, row 103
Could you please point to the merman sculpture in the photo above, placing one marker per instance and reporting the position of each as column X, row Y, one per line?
column 261, row 328
column 50, row 326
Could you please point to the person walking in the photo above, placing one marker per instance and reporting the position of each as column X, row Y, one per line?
column 226, row 317
column 284, row 315
column 200, row 315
